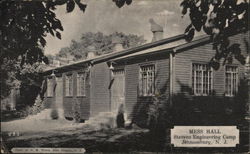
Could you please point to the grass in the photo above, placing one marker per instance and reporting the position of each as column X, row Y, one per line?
column 109, row 140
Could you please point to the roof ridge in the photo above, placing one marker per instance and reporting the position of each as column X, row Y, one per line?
column 111, row 55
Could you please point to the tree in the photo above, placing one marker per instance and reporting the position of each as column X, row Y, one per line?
column 30, row 83
column 24, row 24
column 102, row 43
column 8, row 77
column 219, row 19
column 121, row 3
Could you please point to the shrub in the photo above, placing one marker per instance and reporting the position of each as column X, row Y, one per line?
column 76, row 110
column 54, row 114
column 159, row 116
column 120, row 122
column 8, row 107
column 77, row 117
column 34, row 109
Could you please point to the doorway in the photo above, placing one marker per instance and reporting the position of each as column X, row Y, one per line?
column 59, row 96
column 117, row 90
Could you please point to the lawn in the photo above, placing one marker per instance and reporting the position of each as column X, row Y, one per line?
column 96, row 137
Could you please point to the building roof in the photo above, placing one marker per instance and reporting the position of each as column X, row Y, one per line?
column 175, row 45
column 175, row 42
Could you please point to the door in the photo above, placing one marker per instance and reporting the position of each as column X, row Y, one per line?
column 59, row 96
column 117, row 90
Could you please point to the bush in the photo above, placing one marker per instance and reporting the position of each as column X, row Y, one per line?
column 34, row 109
column 54, row 114
column 120, row 122
column 77, row 117
column 8, row 107
column 76, row 111
column 159, row 116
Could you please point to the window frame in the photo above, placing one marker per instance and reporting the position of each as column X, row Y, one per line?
column 140, row 83
column 209, row 75
column 225, row 80
column 68, row 91
column 79, row 94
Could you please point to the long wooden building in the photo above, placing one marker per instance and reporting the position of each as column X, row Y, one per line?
column 172, row 67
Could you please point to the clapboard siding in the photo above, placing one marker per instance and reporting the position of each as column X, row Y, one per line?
column 137, row 106
column 131, row 82
column 162, row 76
column 83, row 101
column 100, row 94
column 68, row 100
column 203, row 53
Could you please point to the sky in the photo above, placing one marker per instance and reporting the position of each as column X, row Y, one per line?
column 104, row 16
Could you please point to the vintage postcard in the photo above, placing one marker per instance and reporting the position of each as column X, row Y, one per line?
column 109, row 76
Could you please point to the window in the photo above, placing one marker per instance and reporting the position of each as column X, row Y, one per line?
column 69, row 85
column 147, row 80
column 231, row 85
column 50, row 87
column 202, row 81
column 80, row 84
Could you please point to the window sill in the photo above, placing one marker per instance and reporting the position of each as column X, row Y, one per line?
column 201, row 95
column 68, row 96
column 229, row 96
column 147, row 96
column 81, row 96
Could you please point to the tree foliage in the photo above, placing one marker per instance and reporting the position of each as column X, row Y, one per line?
column 219, row 19
column 121, row 3
column 24, row 26
column 101, row 42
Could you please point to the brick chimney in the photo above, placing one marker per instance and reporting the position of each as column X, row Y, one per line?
column 56, row 62
column 117, row 41
column 157, row 30
column 91, row 52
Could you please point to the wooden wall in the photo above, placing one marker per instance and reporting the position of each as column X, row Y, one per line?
column 203, row 53
column 208, row 107
column 68, row 101
column 137, row 106
column 99, row 92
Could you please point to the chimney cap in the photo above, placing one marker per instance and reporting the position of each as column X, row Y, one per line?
column 90, row 54
column 91, row 51
column 116, row 40
column 91, row 48
column 154, row 26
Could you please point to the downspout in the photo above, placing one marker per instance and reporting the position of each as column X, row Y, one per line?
column 110, row 101
column 171, row 76
column 111, row 68
column 90, row 89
